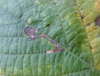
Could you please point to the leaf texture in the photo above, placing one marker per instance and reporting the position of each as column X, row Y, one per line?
column 71, row 25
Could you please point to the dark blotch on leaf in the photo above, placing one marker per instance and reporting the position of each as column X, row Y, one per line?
column 81, row 16
column 47, row 25
column 30, row 32
column 81, row 8
column 88, row 24
column 97, row 21
column 90, row 47
column 95, row 28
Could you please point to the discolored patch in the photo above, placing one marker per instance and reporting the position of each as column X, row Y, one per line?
column 81, row 17
column 98, row 4
column 30, row 32
column 97, row 21
column 90, row 47
column 47, row 25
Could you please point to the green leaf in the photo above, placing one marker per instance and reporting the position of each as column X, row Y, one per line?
column 71, row 25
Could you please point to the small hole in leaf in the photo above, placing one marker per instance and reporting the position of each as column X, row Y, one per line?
column 97, row 21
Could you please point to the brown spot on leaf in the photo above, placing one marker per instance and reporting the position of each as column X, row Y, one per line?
column 97, row 21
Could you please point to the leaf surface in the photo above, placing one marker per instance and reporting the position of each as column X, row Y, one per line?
column 71, row 25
